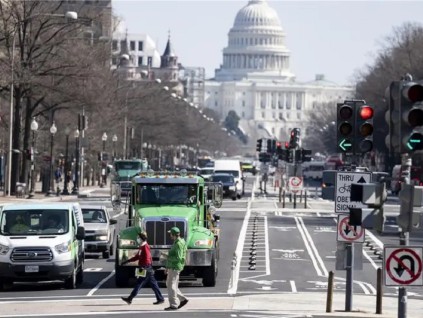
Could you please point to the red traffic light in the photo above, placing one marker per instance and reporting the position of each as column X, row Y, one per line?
column 286, row 145
column 366, row 112
column 278, row 144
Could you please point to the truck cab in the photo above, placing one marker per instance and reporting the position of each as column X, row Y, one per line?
column 160, row 201
column 122, row 173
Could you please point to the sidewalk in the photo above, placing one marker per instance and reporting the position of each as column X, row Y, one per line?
column 41, row 197
column 311, row 305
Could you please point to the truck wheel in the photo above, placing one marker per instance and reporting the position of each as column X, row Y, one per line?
column 233, row 198
column 106, row 254
column 80, row 276
column 70, row 283
column 210, row 273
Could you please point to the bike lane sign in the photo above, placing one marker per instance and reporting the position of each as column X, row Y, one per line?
column 343, row 189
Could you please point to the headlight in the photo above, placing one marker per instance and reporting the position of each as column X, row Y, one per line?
column 232, row 188
column 63, row 248
column 4, row 249
column 101, row 238
column 127, row 242
column 203, row 243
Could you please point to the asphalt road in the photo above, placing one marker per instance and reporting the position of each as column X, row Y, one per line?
column 277, row 251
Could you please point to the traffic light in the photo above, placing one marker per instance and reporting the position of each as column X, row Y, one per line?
column 278, row 148
column 295, row 138
column 364, row 128
column 392, row 117
column 345, row 123
column 259, row 145
column 273, row 151
column 269, row 145
column 411, row 96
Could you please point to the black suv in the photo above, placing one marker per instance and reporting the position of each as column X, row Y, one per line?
column 228, row 183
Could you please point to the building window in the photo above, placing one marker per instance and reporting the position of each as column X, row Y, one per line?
column 263, row 115
column 123, row 45
column 280, row 116
column 243, row 115
column 215, row 103
column 263, row 104
column 280, row 106
column 132, row 45
column 114, row 61
column 114, row 45
column 273, row 115
column 140, row 60
column 140, row 46
column 243, row 103
column 298, row 115
column 288, row 115
column 150, row 61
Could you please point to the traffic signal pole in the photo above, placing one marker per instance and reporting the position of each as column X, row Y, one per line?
column 404, row 240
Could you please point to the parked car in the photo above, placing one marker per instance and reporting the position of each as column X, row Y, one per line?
column 99, row 229
column 228, row 183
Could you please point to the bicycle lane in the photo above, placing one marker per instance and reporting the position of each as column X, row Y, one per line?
column 322, row 232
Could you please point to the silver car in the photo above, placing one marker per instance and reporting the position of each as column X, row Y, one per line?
column 99, row 229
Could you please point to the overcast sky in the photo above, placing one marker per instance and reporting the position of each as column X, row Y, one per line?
column 335, row 38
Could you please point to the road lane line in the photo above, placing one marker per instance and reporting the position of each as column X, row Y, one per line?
column 92, row 291
column 310, row 252
column 293, row 286
column 371, row 288
column 233, row 282
column 313, row 246
column 363, row 287
column 366, row 255
column 375, row 239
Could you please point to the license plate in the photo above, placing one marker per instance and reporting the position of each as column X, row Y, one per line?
column 32, row 269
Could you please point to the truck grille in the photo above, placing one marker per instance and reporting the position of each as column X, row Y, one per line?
column 31, row 254
column 157, row 231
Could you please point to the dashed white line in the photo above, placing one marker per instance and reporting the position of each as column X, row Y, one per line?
column 293, row 286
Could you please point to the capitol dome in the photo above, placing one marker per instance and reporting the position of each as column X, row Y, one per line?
column 257, row 13
column 256, row 46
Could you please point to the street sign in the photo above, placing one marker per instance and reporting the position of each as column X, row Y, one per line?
column 295, row 184
column 343, row 190
column 349, row 233
column 403, row 265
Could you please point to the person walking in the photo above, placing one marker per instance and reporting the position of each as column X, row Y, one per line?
column 174, row 265
column 145, row 272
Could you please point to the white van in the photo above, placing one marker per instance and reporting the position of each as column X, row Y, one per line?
column 232, row 167
column 42, row 242
column 313, row 170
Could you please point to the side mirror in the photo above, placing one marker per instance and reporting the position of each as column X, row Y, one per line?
column 80, row 233
column 112, row 221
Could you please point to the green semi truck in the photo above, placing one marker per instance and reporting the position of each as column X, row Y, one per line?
column 122, row 173
column 160, row 201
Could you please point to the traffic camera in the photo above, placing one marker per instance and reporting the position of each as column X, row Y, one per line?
column 411, row 97
column 364, row 128
column 345, row 123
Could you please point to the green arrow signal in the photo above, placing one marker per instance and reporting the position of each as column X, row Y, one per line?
column 345, row 145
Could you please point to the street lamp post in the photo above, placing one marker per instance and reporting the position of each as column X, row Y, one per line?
column 102, row 162
column 34, row 128
column 114, row 139
column 75, row 189
column 53, row 130
column 66, row 170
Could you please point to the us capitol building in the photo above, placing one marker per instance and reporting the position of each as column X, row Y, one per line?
column 255, row 79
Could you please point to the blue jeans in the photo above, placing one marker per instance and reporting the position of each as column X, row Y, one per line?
column 142, row 281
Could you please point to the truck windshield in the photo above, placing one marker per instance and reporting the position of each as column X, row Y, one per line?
column 127, row 166
column 166, row 194
column 33, row 222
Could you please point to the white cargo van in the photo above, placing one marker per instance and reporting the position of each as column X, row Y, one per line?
column 232, row 167
column 42, row 242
